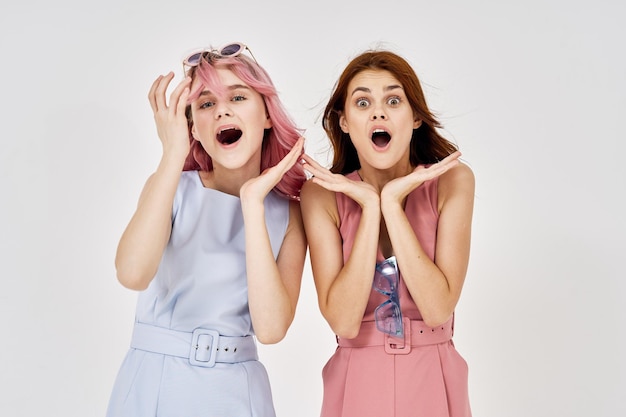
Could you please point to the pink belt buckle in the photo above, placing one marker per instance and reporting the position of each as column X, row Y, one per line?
column 397, row 346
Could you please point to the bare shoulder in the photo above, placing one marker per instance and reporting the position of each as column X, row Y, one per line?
column 458, row 182
column 312, row 193
column 315, row 200
column 459, row 176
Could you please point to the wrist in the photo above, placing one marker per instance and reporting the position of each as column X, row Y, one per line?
column 168, row 163
column 371, row 208
column 391, row 206
column 251, row 205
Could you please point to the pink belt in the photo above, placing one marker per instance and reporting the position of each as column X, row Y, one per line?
column 416, row 333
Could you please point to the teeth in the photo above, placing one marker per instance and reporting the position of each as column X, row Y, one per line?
column 380, row 137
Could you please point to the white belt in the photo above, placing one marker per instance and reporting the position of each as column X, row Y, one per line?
column 203, row 347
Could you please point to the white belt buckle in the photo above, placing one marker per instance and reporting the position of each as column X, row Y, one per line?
column 204, row 347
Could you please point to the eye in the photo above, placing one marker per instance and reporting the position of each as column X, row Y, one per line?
column 206, row 104
column 239, row 97
column 362, row 102
column 393, row 101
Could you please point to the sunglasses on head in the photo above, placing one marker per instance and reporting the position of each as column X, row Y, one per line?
column 227, row 51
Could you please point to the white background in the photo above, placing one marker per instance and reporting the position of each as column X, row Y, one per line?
column 534, row 93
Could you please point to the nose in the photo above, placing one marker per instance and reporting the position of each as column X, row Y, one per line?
column 378, row 113
column 222, row 109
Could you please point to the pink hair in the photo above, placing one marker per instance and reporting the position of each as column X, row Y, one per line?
column 277, row 141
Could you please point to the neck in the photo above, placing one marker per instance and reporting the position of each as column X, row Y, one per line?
column 379, row 177
column 227, row 180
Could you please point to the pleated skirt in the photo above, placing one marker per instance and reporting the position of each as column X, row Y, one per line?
column 155, row 385
column 430, row 381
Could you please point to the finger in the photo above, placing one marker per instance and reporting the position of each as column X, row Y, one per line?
column 314, row 171
column 152, row 93
column 310, row 161
column 161, row 104
column 323, row 174
column 336, row 184
column 312, row 166
column 292, row 157
column 178, row 98
column 297, row 148
column 182, row 102
column 449, row 161
column 327, row 178
column 454, row 156
column 275, row 173
column 437, row 169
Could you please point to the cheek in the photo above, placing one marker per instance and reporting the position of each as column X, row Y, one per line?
column 200, row 128
column 351, row 120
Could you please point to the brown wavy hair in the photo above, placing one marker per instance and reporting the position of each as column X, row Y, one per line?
column 427, row 145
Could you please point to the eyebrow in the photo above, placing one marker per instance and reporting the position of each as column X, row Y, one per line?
column 230, row 88
column 367, row 90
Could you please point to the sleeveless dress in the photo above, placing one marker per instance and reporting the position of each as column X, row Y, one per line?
column 197, row 297
column 374, row 375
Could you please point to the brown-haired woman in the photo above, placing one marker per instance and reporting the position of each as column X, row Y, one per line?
column 389, row 238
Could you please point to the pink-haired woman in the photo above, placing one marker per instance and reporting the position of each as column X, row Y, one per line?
column 216, row 246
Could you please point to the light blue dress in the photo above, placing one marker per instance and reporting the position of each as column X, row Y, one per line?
column 200, row 284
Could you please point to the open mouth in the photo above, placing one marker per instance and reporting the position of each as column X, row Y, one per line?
column 381, row 138
column 229, row 136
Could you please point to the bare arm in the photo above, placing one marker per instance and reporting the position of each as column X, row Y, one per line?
column 141, row 246
column 273, row 285
column 342, row 289
column 435, row 286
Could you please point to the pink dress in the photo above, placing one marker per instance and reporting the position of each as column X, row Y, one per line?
column 377, row 375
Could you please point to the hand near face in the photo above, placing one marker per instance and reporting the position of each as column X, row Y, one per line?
column 397, row 189
column 170, row 119
column 258, row 187
column 360, row 191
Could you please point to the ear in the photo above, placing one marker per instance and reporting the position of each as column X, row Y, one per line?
column 417, row 123
column 343, row 123
column 268, row 122
column 193, row 132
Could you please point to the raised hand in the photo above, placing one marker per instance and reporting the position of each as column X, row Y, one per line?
column 258, row 187
column 170, row 119
column 397, row 189
column 360, row 191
